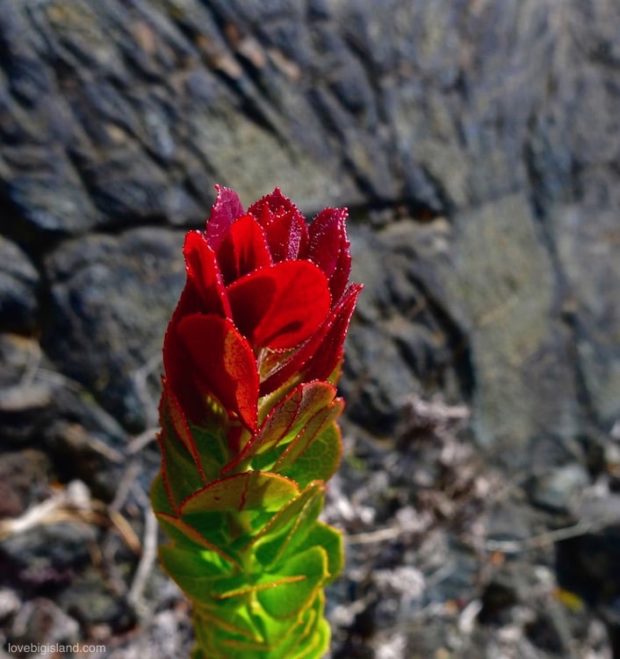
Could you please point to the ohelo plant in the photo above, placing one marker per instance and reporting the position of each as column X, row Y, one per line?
column 248, row 435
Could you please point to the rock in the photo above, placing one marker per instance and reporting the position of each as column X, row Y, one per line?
column 112, row 298
column 41, row 407
column 512, row 522
column 20, row 356
column 321, row 97
column 23, row 400
column 560, row 489
column 37, row 210
column 504, row 591
column 587, row 250
column 9, row 603
column 47, row 555
column 24, row 481
column 498, row 280
column 42, row 621
column 19, row 282
column 402, row 341
column 585, row 566
column 167, row 634
column 94, row 457
column 91, row 603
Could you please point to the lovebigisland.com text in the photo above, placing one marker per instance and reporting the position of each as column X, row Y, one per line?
column 56, row 649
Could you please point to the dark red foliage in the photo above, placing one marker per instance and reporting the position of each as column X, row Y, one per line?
column 264, row 295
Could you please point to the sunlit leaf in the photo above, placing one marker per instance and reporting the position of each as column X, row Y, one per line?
column 306, row 573
column 283, row 224
column 288, row 418
column 223, row 363
column 243, row 249
column 309, row 433
column 225, row 210
column 320, row 459
column 290, row 527
column 247, row 491
column 280, row 306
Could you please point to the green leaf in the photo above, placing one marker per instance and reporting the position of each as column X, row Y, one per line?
column 232, row 621
column 330, row 539
column 267, row 402
column 298, row 633
column 183, row 534
column 251, row 490
column 194, row 563
column 291, row 591
column 212, row 451
column 194, row 571
column 231, row 629
column 191, row 456
column 180, row 476
column 228, row 512
column 318, row 643
column 174, row 422
column 313, row 427
column 301, row 634
column 287, row 419
column 319, row 460
column 214, row 528
column 192, row 538
column 159, row 497
column 289, row 528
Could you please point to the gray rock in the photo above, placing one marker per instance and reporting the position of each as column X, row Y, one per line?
column 19, row 282
column 167, row 634
column 23, row 402
column 321, row 97
column 20, row 356
column 561, row 489
column 112, row 297
column 24, row 480
column 497, row 281
column 41, row 407
column 41, row 621
column 586, row 566
column 47, row 555
column 402, row 340
column 589, row 258
column 9, row 603
column 90, row 602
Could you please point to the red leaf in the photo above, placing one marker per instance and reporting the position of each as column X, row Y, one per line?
column 204, row 292
column 284, row 225
column 223, row 363
column 286, row 235
column 340, row 276
column 225, row 210
column 319, row 356
column 280, row 306
column 329, row 352
column 204, row 276
column 176, row 360
column 327, row 238
column 243, row 249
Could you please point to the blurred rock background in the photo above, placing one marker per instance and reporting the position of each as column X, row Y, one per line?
column 477, row 145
